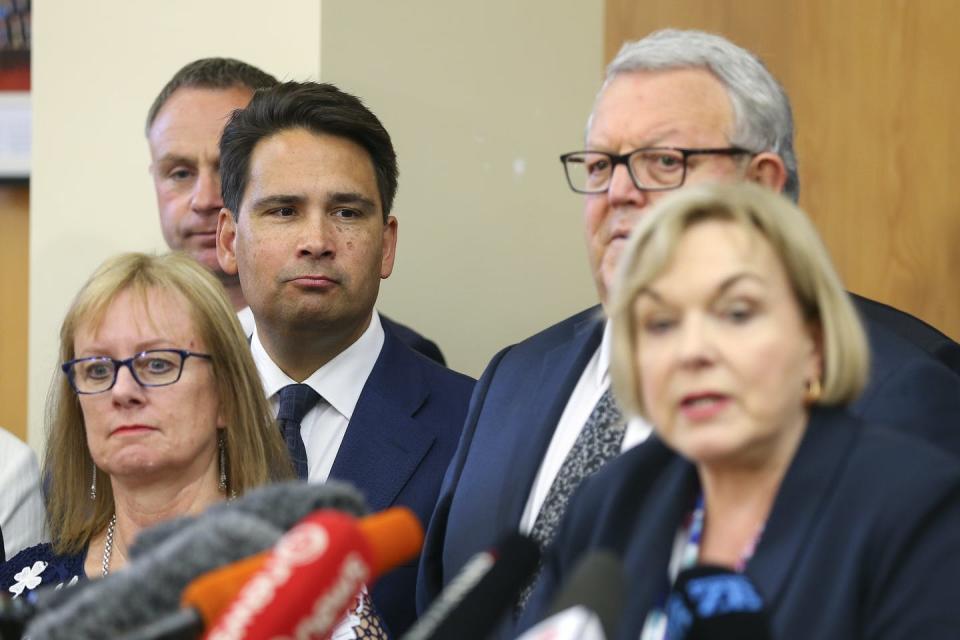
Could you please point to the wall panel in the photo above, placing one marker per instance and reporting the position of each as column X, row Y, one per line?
column 91, row 193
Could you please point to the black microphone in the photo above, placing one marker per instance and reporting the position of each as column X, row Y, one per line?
column 472, row 605
column 709, row 602
column 15, row 613
column 282, row 504
column 590, row 603
column 150, row 585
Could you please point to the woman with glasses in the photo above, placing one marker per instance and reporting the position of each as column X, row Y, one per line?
column 158, row 412
column 760, row 507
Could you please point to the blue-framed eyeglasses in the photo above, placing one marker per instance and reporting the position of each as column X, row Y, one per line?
column 153, row 368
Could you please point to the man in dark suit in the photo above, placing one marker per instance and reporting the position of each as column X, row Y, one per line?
column 309, row 177
column 704, row 109
column 184, row 124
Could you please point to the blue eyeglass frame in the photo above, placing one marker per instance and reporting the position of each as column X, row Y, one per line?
column 68, row 368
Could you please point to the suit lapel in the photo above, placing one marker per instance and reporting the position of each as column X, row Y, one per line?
column 804, row 493
column 384, row 445
column 670, row 498
column 560, row 370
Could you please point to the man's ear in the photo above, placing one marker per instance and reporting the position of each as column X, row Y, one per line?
column 227, row 242
column 767, row 169
column 389, row 251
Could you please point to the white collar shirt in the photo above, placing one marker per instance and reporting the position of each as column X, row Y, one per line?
column 339, row 383
column 594, row 381
column 245, row 316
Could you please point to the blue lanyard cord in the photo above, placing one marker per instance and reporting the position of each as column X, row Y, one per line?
column 655, row 626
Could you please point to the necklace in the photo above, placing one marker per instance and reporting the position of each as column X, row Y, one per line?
column 108, row 546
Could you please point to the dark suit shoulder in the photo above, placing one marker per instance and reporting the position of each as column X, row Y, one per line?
column 912, row 329
column 412, row 339
column 896, row 473
column 910, row 391
column 458, row 385
column 559, row 333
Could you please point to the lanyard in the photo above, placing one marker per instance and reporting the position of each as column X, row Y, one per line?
column 684, row 556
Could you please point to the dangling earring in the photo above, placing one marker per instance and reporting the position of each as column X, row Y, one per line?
column 814, row 390
column 223, row 461
column 93, row 482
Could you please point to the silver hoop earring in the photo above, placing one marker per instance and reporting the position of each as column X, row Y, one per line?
column 223, row 461
column 93, row 482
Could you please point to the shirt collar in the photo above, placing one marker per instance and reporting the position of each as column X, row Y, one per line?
column 339, row 381
column 603, row 363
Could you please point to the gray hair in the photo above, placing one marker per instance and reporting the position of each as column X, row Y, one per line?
column 763, row 120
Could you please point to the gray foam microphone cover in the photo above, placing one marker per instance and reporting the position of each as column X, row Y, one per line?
column 151, row 585
column 282, row 504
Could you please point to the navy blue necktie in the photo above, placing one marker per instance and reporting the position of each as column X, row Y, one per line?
column 295, row 401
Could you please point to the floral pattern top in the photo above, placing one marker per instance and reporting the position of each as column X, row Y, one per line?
column 38, row 566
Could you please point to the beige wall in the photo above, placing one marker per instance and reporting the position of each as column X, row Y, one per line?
column 480, row 98
column 96, row 68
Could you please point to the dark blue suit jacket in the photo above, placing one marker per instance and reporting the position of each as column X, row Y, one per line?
column 413, row 339
column 521, row 395
column 399, row 440
column 862, row 540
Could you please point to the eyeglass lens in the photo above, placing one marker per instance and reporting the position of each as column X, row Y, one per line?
column 150, row 368
column 651, row 169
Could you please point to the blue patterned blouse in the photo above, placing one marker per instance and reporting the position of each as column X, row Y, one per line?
column 38, row 565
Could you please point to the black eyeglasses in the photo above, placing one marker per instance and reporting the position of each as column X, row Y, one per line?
column 154, row 368
column 651, row 169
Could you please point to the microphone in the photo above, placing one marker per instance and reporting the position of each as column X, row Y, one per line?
column 282, row 504
column 590, row 604
column 15, row 613
column 315, row 571
column 485, row 588
column 203, row 601
column 709, row 602
column 153, row 582
column 394, row 537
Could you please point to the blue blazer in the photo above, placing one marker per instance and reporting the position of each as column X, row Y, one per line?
column 413, row 339
column 862, row 540
column 400, row 438
column 519, row 399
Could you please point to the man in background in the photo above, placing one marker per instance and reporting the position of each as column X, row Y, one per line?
column 183, row 129
column 309, row 179
column 677, row 108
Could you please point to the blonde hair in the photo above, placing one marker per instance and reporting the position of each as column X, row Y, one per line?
column 825, row 304
column 255, row 453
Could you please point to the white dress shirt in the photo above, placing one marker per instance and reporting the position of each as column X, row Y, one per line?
column 22, row 515
column 594, row 381
column 245, row 316
column 339, row 383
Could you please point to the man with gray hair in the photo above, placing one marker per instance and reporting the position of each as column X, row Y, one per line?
column 676, row 108
column 184, row 125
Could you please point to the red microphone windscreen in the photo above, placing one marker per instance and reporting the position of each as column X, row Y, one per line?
column 306, row 584
column 211, row 593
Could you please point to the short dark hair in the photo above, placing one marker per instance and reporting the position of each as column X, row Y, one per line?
column 211, row 73
column 317, row 107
